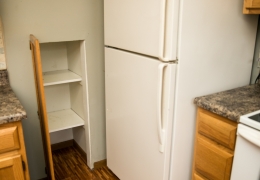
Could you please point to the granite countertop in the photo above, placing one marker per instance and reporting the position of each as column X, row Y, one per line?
column 232, row 103
column 10, row 107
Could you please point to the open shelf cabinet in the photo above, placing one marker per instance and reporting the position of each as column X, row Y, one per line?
column 62, row 71
column 60, row 80
column 64, row 106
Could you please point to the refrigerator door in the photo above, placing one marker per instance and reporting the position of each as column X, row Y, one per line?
column 139, row 106
column 143, row 26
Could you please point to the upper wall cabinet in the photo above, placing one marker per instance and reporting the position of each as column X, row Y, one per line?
column 251, row 7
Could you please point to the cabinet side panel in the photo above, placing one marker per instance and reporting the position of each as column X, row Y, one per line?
column 76, row 98
column 74, row 57
column 54, row 56
column 79, row 137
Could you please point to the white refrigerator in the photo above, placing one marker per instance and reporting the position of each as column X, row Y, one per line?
column 160, row 55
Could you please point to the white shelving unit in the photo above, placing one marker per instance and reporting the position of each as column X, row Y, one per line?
column 64, row 119
column 65, row 90
column 60, row 77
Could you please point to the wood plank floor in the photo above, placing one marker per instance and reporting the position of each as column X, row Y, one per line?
column 69, row 165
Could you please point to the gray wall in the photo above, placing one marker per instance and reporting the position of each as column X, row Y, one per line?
column 49, row 20
column 255, row 69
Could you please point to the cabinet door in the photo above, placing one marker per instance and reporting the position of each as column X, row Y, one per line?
column 9, row 139
column 217, row 128
column 11, row 168
column 42, row 111
column 213, row 161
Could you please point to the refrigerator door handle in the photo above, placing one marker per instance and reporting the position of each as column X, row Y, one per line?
column 168, row 32
column 161, row 131
column 162, row 32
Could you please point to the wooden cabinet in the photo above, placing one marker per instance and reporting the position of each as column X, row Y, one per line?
column 214, row 146
column 13, row 160
column 11, row 168
column 251, row 7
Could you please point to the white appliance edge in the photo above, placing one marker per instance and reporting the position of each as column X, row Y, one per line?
column 215, row 45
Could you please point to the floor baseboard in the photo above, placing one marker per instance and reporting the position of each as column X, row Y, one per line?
column 62, row 145
column 100, row 164
column 80, row 150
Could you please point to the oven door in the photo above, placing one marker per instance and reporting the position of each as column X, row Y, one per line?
column 246, row 164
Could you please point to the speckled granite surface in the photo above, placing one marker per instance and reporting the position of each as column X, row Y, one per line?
column 10, row 107
column 3, row 78
column 232, row 103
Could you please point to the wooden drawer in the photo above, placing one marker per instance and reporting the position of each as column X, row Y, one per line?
column 9, row 139
column 212, row 160
column 217, row 128
column 11, row 168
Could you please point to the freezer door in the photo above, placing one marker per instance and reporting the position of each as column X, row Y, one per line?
column 139, row 103
column 145, row 26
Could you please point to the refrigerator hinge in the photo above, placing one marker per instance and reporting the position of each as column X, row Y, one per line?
column 174, row 61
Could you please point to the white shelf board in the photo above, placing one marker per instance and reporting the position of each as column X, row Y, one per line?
column 60, row 77
column 64, row 119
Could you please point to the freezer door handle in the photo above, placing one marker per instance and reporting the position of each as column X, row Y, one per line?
column 250, row 136
column 161, row 130
column 162, row 32
column 168, row 32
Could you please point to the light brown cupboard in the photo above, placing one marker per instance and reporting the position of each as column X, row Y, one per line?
column 251, row 7
column 13, row 160
column 214, row 146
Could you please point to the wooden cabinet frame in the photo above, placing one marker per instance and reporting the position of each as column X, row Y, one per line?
column 214, row 146
column 13, row 161
column 42, row 111
column 251, row 7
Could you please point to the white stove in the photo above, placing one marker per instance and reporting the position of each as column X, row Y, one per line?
column 246, row 164
column 251, row 120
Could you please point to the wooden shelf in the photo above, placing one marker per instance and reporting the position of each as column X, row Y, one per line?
column 60, row 77
column 64, row 119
